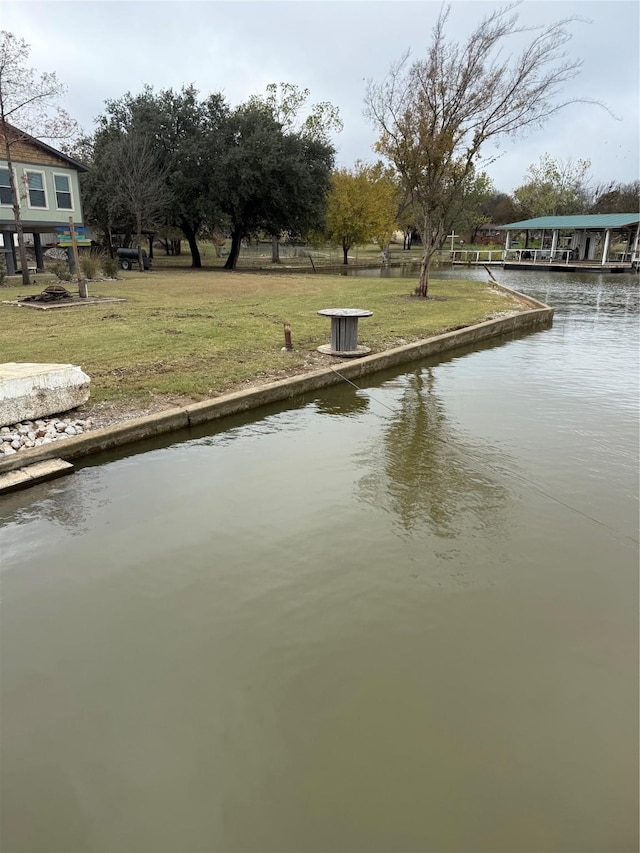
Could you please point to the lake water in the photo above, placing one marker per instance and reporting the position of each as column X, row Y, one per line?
column 401, row 618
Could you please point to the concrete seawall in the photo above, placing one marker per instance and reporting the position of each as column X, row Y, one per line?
column 539, row 316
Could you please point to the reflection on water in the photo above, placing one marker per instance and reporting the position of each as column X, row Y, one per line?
column 357, row 403
column 396, row 618
column 423, row 473
column 66, row 503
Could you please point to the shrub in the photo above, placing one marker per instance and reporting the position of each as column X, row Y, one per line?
column 3, row 271
column 89, row 265
column 61, row 271
column 109, row 266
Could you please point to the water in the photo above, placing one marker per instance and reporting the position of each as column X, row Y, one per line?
column 396, row 619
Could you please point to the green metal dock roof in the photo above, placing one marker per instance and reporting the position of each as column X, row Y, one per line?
column 599, row 221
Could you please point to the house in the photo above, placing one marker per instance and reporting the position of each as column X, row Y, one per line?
column 49, row 191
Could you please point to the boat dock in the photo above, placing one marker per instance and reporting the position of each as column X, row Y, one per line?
column 536, row 259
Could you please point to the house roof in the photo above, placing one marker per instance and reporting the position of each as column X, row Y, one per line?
column 595, row 221
column 43, row 145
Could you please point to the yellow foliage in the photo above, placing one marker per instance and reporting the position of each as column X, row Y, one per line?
column 362, row 206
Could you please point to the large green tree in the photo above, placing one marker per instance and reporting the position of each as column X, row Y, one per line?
column 239, row 169
column 435, row 116
column 288, row 104
column 193, row 134
column 271, row 180
column 185, row 134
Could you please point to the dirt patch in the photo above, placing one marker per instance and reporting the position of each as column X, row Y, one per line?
column 107, row 413
column 111, row 412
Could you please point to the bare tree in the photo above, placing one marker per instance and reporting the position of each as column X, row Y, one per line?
column 436, row 114
column 139, row 182
column 615, row 197
column 28, row 109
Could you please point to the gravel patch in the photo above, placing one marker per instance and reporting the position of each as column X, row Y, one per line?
column 29, row 434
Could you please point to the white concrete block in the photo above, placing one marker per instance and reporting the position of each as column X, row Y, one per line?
column 30, row 391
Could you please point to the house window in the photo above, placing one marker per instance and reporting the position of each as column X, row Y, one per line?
column 35, row 186
column 5, row 187
column 63, row 192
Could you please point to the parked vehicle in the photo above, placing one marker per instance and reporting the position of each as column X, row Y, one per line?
column 128, row 258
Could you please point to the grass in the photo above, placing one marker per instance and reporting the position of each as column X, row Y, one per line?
column 258, row 256
column 193, row 334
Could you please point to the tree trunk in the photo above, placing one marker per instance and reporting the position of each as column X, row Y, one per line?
column 17, row 218
column 232, row 259
column 190, row 234
column 108, row 241
column 422, row 289
column 431, row 238
column 139, row 239
column 345, row 250
column 429, row 245
column 275, row 250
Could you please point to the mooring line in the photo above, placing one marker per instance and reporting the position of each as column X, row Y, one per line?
column 617, row 533
column 379, row 402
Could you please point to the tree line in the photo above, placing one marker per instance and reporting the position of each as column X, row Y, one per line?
column 177, row 160
column 191, row 166
column 550, row 187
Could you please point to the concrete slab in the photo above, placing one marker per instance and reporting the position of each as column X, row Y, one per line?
column 39, row 472
column 72, row 302
column 29, row 391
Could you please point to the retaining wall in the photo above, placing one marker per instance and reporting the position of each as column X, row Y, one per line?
column 539, row 316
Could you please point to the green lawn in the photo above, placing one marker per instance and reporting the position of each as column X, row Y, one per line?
column 193, row 334
column 258, row 256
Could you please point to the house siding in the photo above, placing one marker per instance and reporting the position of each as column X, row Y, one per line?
column 27, row 156
column 23, row 151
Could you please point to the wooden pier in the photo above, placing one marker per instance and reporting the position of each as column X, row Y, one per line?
column 535, row 260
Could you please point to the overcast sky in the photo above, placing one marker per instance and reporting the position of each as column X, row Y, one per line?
column 101, row 50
